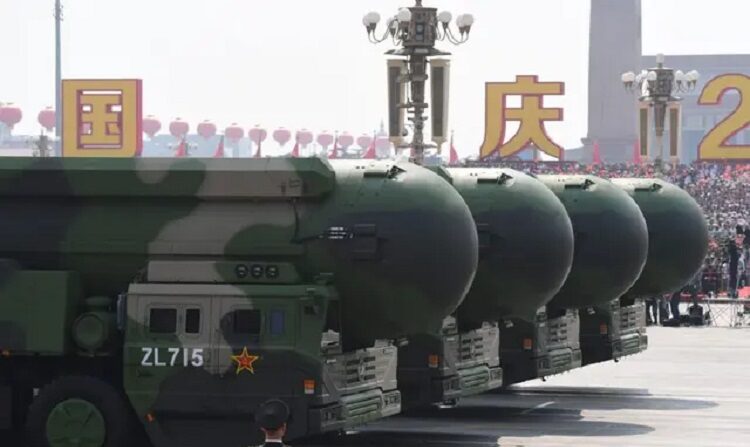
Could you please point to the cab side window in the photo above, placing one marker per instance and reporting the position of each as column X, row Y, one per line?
column 162, row 321
column 277, row 322
column 247, row 322
column 192, row 321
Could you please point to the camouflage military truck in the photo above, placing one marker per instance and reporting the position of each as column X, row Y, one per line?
column 611, row 244
column 526, row 250
column 678, row 241
column 169, row 298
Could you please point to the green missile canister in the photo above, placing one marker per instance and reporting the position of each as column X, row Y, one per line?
column 525, row 243
column 677, row 236
column 611, row 240
column 397, row 242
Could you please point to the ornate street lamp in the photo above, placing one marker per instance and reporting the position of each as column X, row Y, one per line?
column 58, row 13
column 415, row 31
column 657, row 88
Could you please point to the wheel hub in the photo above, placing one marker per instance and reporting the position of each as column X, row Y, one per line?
column 76, row 423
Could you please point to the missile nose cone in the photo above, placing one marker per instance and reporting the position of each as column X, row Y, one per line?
column 526, row 244
column 678, row 235
column 426, row 253
column 611, row 240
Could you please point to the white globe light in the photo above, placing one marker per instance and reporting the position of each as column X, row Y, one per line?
column 372, row 18
column 628, row 77
column 659, row 58
column 694, row 75
column 680, row 76
column 404, row 15
column 460, row 21
column 445, row 17
column 468, row 20
column 652, row 76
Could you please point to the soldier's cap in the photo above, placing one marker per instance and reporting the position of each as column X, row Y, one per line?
column 272, row 414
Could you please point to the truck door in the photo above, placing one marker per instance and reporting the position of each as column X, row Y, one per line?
column 237, row 328
column 254, row 340
column 167, row 349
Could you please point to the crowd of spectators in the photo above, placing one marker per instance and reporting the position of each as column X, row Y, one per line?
column 721, row 189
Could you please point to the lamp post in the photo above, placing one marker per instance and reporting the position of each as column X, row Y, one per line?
column 415, row 31
column 657, row 88
column 58, row 77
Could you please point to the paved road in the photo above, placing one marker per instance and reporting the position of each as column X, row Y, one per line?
column 691, row 388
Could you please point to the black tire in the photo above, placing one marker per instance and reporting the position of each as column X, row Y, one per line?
column 104, row 397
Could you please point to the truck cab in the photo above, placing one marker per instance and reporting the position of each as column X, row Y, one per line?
column 209, row 351
column 183, row 358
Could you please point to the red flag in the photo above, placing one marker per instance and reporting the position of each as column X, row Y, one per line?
column 454, row 160
column 637, row 152
column 181, row 149
column 597, row 154
column 258, row 154
column 295, row 150
column 335, row 151
column 220, row 150
column 370, row 154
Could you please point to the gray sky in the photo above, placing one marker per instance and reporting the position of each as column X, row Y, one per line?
column 304, row 63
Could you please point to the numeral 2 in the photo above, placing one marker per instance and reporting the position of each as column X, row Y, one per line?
column 714, row 144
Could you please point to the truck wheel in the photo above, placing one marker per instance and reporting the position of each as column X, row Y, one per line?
column 80, row 412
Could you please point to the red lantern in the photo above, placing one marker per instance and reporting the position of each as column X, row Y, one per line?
column 257, row 135
column 282, row 136
column 325, row 139
column 151, row 126
column 304, row 137
column 364, row 141
column 179, row 128
column 47, row 119
column 345, row 140
column 10, row 115
column 234, row 133
column 207, row 129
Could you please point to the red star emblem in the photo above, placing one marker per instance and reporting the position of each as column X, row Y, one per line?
column 245, row 361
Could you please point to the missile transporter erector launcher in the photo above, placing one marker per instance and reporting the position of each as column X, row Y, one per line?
column 678, row 241
column 525, row 254
column 611, row 244
column 177, row 295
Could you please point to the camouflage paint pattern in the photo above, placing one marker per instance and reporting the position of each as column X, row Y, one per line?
column 399, row 241
column 611, row 240
column 677, row 236
column 526, row 244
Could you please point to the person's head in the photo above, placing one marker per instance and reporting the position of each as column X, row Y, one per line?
column 278, row 433
column 272, row 417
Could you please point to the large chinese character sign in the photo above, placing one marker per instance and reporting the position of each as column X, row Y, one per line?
column 531, row 116
column 102, row 118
